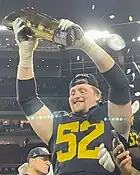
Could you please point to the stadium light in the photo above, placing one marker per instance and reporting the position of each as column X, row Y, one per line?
column 3, row 28
column 114, row 41
column 111, row 16
column 133, row 40
column 95, row 35
column 138, row 38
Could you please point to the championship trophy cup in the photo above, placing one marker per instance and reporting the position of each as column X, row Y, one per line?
column 42, row 26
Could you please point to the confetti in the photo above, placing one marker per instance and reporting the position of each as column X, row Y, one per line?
column 137, row 94
column 134, row 76
column 131, row 85
column 78, row 58
column 135, row 106
column 138, row 38
column 130, row 18
column 137, row 67
column 128, row 71
column 128, row 50
column 111, row 16
column 93, row 7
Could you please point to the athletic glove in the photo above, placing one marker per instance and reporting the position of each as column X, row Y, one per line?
column 26, row 42
column 66, row 26
column 105, row 159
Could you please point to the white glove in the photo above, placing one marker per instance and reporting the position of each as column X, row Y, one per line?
column 21, row 31
column 105, row 159
column 68, row 28
column 26, row 42
column 81, row 40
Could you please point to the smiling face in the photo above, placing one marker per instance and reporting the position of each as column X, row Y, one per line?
column 82, row 97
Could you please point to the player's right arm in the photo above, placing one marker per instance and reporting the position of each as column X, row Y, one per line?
column 39, row 116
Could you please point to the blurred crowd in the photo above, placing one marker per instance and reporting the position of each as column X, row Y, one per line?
column 10, row 104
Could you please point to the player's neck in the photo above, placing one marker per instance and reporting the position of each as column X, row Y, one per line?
column 84, row 112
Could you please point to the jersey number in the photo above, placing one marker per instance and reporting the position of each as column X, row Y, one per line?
column 133, row 139
column 73, row 146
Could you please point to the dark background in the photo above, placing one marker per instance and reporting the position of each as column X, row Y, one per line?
column 54, row 68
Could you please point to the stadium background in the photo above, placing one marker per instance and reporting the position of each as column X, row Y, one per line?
column 55, row 67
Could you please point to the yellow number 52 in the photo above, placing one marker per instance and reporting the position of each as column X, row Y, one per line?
column 133, row 139
column 71, row 140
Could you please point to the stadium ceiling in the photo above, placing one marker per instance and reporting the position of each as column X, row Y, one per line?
column 115, row 16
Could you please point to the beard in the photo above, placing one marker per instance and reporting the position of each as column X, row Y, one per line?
column 79, row 107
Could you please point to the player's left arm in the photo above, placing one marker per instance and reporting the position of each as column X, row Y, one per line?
column 119, row 102
column 119, row 93
column 123, row 113
column 119, row 99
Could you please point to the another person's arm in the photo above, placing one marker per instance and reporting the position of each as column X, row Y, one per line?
column 123, row 161
column 37, row 113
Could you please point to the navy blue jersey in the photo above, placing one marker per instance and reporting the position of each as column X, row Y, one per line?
column 133, row 148
column 133, row 138
column 76, row 139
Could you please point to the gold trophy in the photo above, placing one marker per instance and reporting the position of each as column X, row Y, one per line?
column 42, row 26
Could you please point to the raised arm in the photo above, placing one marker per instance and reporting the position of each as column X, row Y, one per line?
column 119, row 102
column 39, row 116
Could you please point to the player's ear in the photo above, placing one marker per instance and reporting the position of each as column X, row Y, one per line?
column 97, row 98
column 31, row 161
column 98, row 95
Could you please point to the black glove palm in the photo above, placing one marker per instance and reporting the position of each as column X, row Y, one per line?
column 22, row 32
